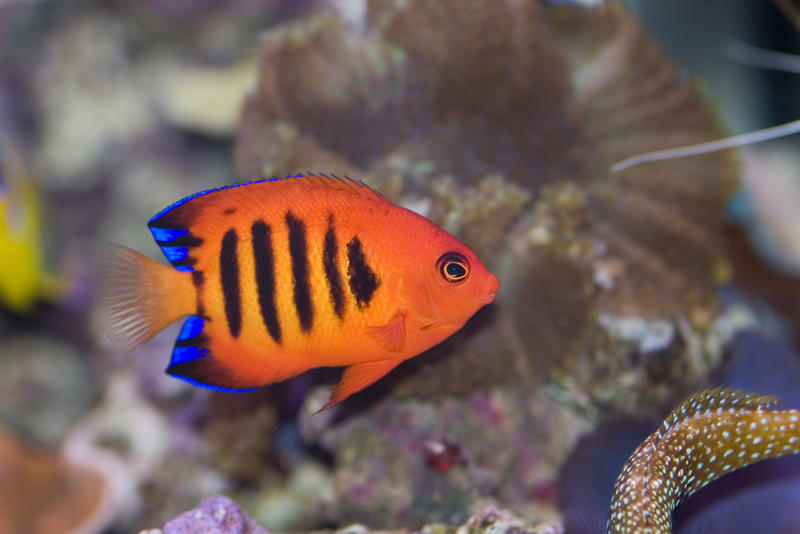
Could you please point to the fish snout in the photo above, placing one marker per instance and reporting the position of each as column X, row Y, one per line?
column 492, row 285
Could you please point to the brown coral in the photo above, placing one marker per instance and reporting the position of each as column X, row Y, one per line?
column 41, row 493
column 518, row 108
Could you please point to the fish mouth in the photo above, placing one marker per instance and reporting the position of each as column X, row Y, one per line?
column 489, row 298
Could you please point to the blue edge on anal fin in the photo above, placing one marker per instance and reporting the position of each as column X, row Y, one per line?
column 184, row 353
column 194, row 382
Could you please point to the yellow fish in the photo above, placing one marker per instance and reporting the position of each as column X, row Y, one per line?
column 23, row 280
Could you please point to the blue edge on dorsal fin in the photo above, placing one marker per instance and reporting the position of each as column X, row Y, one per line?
column 208, row 191
column 193, row 327
column 163, row 236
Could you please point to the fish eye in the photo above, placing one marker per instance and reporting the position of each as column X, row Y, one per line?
column 453, row 267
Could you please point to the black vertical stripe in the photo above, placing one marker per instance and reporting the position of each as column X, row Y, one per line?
column 188, row 241
column 198, row 278
column 363, row 280
column 229, row 277
column 298, row 251
column 265, row 277
column 330, row 262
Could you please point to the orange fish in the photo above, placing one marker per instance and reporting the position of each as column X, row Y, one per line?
column 285, row 275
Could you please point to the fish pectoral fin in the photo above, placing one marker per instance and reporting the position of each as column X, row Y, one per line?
column 392, row 335
column 357, row 377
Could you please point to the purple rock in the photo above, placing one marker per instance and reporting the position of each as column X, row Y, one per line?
column 215, row 515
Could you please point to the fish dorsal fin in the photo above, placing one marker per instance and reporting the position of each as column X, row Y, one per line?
column 186, row 207
column 174, row 230
column 716, row 399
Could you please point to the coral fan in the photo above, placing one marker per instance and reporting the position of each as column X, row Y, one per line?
column 505, row 117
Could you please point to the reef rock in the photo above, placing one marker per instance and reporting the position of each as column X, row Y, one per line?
column 403, row 463
column 215, row 515
column 220, row 515
column 45, row 387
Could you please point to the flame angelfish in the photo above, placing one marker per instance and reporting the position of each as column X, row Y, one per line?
column 281, row 276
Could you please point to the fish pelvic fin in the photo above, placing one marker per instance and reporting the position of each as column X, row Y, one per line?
column 392, row 335
column 138, row 297
column 357, row 377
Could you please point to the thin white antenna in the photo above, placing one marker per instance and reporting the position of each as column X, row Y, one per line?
column 748, row 138
column 762, row 58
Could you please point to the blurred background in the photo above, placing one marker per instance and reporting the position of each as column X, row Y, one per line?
column 111, row 110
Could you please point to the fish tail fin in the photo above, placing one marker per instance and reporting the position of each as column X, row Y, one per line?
column 138, row 297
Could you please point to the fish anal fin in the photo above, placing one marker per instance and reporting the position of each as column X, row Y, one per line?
column 357, row 377
column 392, row 335
column 197, row 365
column 205, row 356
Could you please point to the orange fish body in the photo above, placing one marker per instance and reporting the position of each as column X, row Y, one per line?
column 278, row 277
